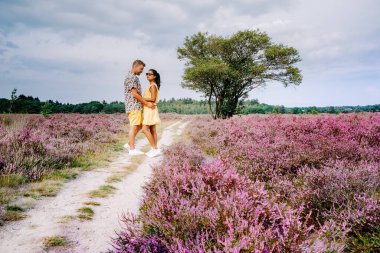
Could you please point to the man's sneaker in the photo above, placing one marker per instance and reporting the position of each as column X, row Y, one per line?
column 153, row 152
column 126, row 146
column 135, row 152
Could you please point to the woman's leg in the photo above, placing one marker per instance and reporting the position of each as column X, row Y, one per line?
column 149, row 136
column 154, row 133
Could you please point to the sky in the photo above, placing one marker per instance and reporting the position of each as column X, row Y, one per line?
column 80, row 51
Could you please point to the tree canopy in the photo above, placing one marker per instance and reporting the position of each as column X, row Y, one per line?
column 226, row 69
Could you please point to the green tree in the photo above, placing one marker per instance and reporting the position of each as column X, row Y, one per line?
column 226, row 69
column 4, row 105
column 13, row 100
column 296, row 110
column 312, row 110
column 331, row 109
column 278, row 109
column 46, row 109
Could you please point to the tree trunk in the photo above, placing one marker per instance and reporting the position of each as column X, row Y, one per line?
column 210, row 108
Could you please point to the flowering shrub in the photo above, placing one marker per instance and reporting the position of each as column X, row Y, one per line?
column 264, row 183
column 195, row 206
column 264, row 146
column 335, row 187
column 31, row 145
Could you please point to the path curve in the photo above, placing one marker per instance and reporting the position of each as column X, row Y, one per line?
column 45, row 219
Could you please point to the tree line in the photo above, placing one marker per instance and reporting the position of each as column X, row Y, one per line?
column 30, row 104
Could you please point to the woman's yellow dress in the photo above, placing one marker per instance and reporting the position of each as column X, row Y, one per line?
column 150, row 116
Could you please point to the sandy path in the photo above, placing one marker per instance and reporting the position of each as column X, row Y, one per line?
column 45, row 219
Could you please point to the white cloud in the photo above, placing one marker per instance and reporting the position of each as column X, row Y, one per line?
column 90, row 44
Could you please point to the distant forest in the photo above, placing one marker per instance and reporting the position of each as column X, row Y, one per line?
column 29, row 104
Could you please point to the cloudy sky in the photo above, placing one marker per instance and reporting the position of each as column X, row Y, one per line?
column 78, row 51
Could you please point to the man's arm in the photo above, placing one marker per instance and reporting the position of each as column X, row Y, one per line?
column 137, row 96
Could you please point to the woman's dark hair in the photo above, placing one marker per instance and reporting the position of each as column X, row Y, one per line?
column 158, row 78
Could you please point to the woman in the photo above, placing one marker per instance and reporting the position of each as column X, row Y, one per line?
column 150, row 116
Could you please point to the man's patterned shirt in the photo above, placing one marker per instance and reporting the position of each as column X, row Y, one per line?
column 131, row 81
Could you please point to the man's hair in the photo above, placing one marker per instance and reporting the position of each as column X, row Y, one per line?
column 138, row 62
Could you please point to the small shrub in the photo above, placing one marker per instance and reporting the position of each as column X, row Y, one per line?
column 85, row 213
column 103, row 192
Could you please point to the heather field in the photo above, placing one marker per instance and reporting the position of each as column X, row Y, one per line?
column 65, row 179
column 263, row 183
column 32, row 145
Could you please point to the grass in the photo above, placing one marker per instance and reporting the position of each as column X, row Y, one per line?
column 62, row 174
column 117, row 177
column 105, row 154
column 86, row 162
column 49, row 185
column 7, row 195
column 183, row 137
column 54, row 241
column 66, row 218
column 117, row 147
column 103, row 192
column 11, row 180
column 85, row 213
column 13, row 213
column 14, row 208
column 367, row 242
column 46, row 188
column 92, row 203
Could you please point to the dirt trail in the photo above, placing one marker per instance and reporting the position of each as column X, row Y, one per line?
column 45, row 219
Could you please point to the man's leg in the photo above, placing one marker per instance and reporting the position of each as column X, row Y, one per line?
column 135, row 120
column 132, row 134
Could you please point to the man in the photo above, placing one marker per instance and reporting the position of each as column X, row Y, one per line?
column 134, row 103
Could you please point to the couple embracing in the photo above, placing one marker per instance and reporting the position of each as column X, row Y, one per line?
column 142, row 110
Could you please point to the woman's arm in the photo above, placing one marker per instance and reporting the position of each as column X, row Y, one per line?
column 153, row 94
